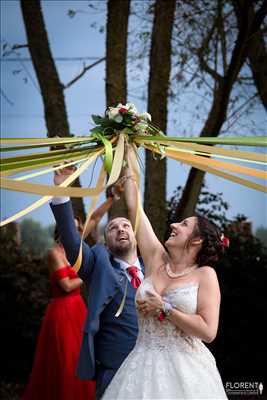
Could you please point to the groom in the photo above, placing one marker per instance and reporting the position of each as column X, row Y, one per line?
column 106, row 271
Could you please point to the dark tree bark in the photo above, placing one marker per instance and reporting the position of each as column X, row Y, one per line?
column 116, row 66
column 248, row 27
column 49, row 82
column 160, row 66
column 256, row 53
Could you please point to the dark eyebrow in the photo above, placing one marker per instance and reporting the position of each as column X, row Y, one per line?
column 111, row 225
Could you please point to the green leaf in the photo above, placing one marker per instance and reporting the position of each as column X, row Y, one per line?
column 96, row 130
column 127, row 131
column 98, row 120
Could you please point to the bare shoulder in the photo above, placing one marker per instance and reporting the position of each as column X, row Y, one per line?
column 208, row 283
column 55, row 258
column 207, row 274
column 207, row 271
column 52, row 254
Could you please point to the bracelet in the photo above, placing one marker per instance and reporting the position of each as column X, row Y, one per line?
column 165, row 312
column 167, row 307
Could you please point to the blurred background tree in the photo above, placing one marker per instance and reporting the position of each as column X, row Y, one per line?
column 261, row 234
column 35, row 239
column 24, row 294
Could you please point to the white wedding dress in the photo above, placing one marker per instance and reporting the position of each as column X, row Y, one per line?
column 165, row 363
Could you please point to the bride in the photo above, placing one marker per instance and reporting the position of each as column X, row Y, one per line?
column 178, row 309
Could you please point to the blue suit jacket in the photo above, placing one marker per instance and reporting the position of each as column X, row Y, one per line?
column 100, row 272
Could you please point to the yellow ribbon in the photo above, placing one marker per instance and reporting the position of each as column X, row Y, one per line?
column 48, row 170
column 213, row 150
column 117, row 162
column 203, row 164
column 44, row 163
column 99, row 188
column 35, row 188
column 45, row 199
column 134, row 166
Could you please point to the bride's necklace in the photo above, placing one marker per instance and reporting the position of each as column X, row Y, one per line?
column 172, row 274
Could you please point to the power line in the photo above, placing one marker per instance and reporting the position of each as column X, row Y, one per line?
column 27, row 59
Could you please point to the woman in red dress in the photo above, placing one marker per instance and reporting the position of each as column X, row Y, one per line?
column 54, row 370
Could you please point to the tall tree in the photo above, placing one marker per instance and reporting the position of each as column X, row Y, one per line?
column 248, row 26
column 116, row 65
column 159, row 76
column 51, row 88
column 256, row 53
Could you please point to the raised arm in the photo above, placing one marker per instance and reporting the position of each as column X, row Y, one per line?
column 100, row 211
column 114, row 193
column 92, row 226
column 68, row 232
column 150, row 247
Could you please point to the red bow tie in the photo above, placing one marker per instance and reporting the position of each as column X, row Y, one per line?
column 133, row 272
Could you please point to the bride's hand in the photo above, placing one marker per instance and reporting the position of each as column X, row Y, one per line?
column 151, row 304
column 63, row 173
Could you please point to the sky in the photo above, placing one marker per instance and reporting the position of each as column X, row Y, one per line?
column 22, row 108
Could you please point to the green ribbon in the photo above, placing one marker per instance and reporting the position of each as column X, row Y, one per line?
column 257, row 141
column 108, row 158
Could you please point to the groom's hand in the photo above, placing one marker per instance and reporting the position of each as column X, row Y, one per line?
column 63, row 173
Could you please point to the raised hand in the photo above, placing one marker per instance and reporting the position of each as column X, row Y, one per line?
column 63, row 173
column 117, row 189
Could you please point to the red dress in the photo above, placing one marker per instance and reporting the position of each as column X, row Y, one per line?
column 53, row 375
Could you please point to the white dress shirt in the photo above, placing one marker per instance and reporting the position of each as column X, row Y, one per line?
column 124, row 265
column 59, row 200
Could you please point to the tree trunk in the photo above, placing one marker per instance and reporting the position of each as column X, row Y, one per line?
column 116, row 67
column 256, row 53
column 50, row 85
column 248, row 26
column 160, row 66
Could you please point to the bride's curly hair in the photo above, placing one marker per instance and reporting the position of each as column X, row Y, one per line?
column 212, row 246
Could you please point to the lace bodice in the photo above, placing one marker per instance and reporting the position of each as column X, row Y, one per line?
column 157, row 334
column 165, row 363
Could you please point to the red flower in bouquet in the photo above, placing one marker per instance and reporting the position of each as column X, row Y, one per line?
column 123, row 110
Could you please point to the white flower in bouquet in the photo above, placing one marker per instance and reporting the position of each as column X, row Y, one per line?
column 145, row 116
column 131, row 108
column 118, row 118
column 122, row 112
column 112, row 112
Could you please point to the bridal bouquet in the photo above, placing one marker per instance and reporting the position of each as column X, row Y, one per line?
column 125, row 119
